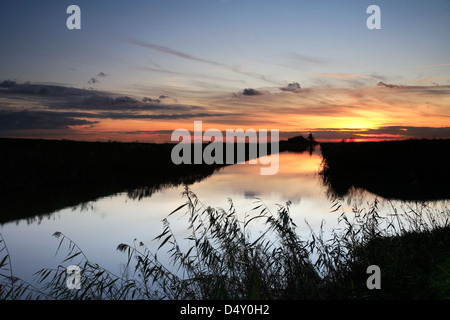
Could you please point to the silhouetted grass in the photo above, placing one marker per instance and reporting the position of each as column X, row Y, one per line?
column 260, row 255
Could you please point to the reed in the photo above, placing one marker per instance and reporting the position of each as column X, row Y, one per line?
column 227, row 254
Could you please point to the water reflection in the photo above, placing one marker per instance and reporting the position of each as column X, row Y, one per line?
column 35, row 203
column 99, row 225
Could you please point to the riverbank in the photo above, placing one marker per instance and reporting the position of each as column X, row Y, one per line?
column 41, row 176
column 404, row 170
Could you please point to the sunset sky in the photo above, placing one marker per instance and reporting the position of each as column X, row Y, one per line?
column 137, row 70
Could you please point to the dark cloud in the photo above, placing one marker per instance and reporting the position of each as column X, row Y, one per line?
column 7, row 84
column 145, row 99
column 292, row 87
column 61, row 104
column 94, row 101
column 93, row 80
column 435, row 89
column 176, row 116
column 383, row 84
column 251, row 92
column 60, row 98
column 25, row 120
column 122, row 103
column 54, row 90
column 62, row 107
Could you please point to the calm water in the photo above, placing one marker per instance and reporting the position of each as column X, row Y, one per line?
column 101, row 225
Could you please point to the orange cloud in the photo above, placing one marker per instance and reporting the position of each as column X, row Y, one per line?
column 127, row 118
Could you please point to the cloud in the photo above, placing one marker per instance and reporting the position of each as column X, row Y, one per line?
column 51, row 120
column 292, row 87
column 7, row 84
column 327, row 107
column 171, row 51
column 94, row 80
column 383, row 132
column 237, row 69
column 251, row 92
column 36, row 89
column 175, row 116
column 205, row 76
column 122, row 103
column 93, row 101
column 412, row 132
column 61, row 97
column 183, row 55
column 248, row 92
column 306, row 59
column 383, row 84
column 62, row 107
column 24, row 120
column 145, row 99
column 435, row 89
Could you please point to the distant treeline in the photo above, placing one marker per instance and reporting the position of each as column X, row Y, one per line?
column 406, row 170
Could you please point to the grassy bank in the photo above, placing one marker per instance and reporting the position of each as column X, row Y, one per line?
column 223, row 256
column 405, row 170
column 55, row 174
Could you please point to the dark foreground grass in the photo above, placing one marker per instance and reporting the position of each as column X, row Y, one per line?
column 415, row 265
column 260, row 255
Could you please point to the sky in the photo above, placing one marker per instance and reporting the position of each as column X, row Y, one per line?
column 138, row 70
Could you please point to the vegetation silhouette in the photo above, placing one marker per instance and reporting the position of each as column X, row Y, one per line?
column 403, row 170
column 224, row 258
